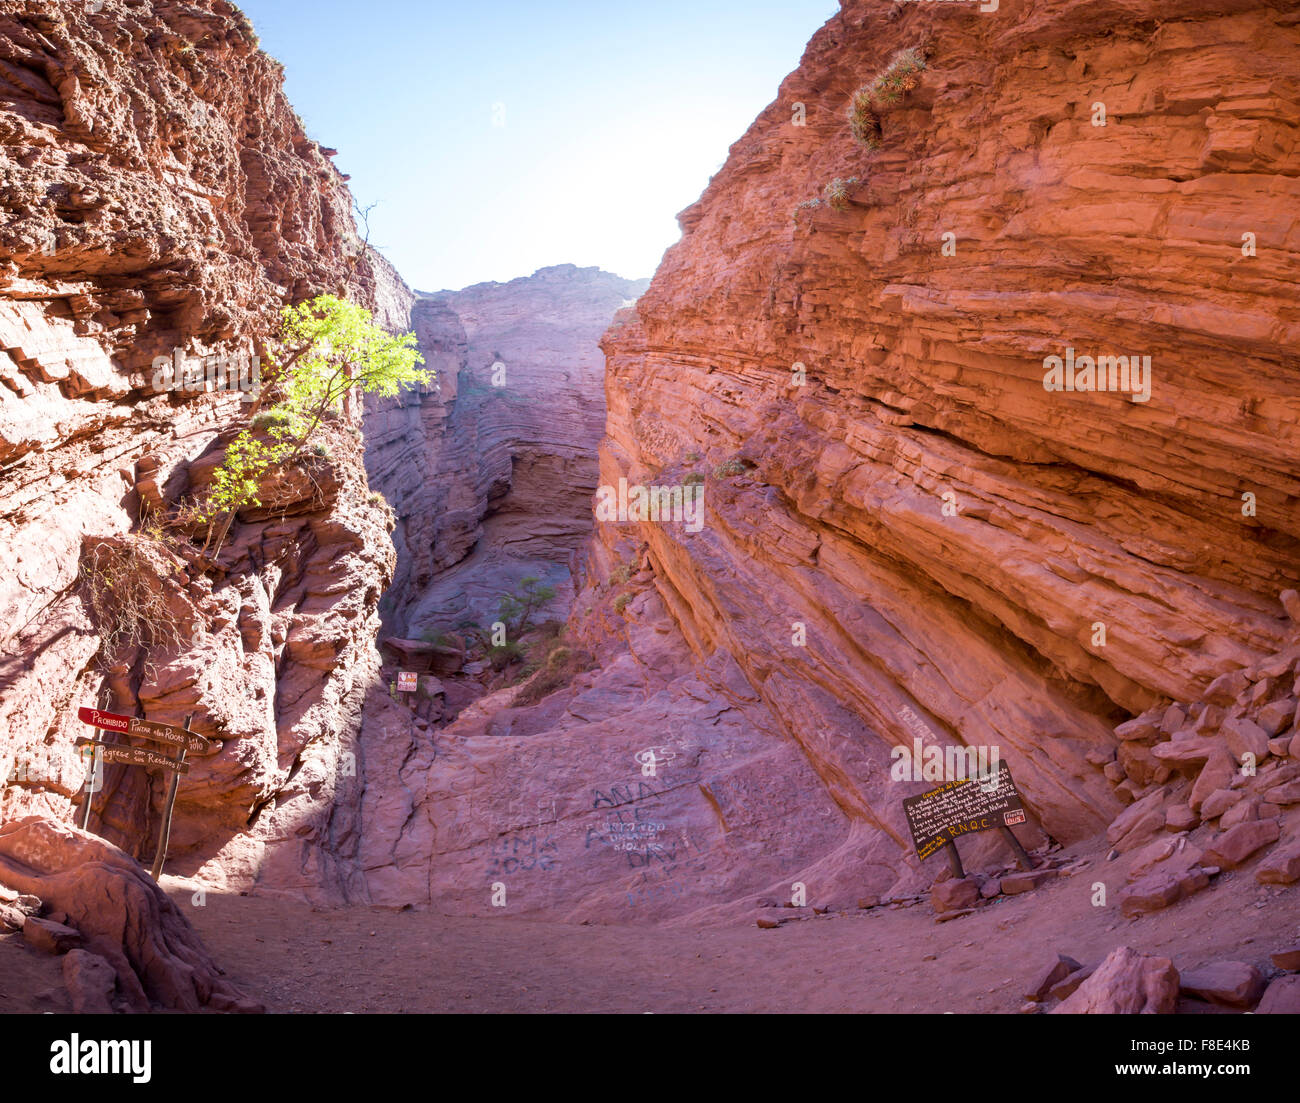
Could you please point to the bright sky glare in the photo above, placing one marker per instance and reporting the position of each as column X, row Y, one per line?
column 501, row 137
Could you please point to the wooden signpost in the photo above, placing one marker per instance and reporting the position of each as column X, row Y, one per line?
column 170, row 735
column 133, row 756
column 937, row 818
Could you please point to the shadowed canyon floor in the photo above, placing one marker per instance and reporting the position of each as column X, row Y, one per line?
column 328, row 960
column 296, row 958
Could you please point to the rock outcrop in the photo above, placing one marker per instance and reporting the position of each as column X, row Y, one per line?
column 140, row 949
column 968, row 552
column 159, row 198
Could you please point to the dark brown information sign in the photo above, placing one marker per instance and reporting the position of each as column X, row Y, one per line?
column 171, row 734
column 961, row 808
column 134, row 756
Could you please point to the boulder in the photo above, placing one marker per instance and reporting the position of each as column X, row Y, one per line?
column 90, row 981
column 1137, row 823
column 1209, row 720
column 1188, row 755
column 1051, row 976
column 1070, row 984
column 1180, row 818
column 1282, row 997
column 1243, row 736
column 1174, row 718
column 1141, row 728
column 50, row 937
column 1229, row 849
column 1218, row 773
column 1281, row 867
column 1291, row 603
column 120, row 911
column 1284, row 794
column 1241, row 812
column 1277, row 717
column 1159, row 889
column 1230, row 983
column 1288, row 959
column 1126, row 983
column 955, row 894
column 1226, row 687
column 1218, row 802
column 1026, row 881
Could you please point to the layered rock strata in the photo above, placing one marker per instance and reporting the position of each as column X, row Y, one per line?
column 909, row 535
column 159, row 198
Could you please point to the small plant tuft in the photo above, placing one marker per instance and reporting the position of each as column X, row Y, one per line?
column 734, row 467
column 837, row 192
column 870, row 101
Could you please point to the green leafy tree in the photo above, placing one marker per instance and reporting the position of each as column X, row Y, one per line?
column 517, row 609
column 328, row 348
column 331, row 347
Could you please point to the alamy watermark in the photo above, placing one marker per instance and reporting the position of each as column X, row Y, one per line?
column 219, row 372
column 683, row 504
column 952, row 763
column 1125, row 374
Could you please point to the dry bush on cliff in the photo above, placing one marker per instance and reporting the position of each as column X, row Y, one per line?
column 561, row 665
column 133, row 595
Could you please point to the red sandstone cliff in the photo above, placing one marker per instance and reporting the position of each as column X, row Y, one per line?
column 1096, row 560
column 925, row 378
column 157, row 192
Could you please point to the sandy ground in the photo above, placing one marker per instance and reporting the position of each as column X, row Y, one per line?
column 296, row 958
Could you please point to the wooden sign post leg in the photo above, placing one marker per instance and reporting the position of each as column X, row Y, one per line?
column 954, row 860
column 164, row 833
column 1022, row 857
column 90, row 787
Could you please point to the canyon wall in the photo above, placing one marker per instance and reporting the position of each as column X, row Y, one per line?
column 491, row 468
column 907, row 535
column 158, row 193
column 974, row 558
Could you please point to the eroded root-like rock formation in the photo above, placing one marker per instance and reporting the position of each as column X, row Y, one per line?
column 100, row 895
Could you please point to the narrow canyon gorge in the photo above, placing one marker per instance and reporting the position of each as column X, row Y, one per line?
column 909, row 538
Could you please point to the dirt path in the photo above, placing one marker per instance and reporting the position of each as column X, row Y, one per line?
column 296, row 958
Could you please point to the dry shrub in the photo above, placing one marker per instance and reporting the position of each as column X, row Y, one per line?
column 561, row 665
column 132, row 594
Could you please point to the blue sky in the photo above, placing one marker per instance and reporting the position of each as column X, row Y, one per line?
column 502, row 136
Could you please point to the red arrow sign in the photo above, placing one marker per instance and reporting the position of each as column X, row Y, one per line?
column 109, row 721
column 172, row 734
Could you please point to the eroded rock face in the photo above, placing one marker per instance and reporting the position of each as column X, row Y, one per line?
column 160, row 194
column 492, row 467
column 907, row 534
column 1001, row 564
